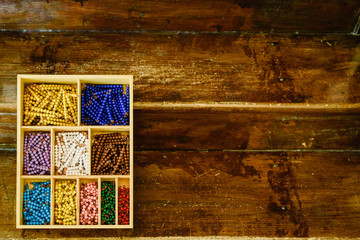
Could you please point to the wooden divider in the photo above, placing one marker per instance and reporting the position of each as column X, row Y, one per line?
column 116, row 202
column 77, row 201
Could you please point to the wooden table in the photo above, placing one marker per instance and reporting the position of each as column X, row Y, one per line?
column 236, row 133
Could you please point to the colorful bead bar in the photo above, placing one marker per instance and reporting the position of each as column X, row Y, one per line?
column 65, row 202
column 110, row 154
column 37, row 150
column 105, row 105
column 123, row 205
column 71, row 153
column 89, row 203
column 36, row 208
column 108, row 203
column 50, row 104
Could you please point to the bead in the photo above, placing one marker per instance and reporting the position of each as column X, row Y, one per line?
column 108, row 203
column 105, row 104
column 72, row 153
column 89, row 203
column 37, row 150
column 110, row 154
column 65, row 202
column 36, row 203
column 50, row 104
column 123, row 205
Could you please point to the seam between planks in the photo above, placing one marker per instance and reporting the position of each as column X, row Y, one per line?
column 331, row 107
column 252, row 150
column 246, row 106
column 209, row 238
column 235, row 150
column 170, row 32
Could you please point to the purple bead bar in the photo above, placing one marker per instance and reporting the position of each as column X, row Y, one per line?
column 37, row 153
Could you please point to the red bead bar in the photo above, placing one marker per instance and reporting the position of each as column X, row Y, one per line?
column 124, row 205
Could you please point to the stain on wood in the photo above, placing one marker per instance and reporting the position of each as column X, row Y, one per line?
column 194, row 68
column 187, row 193
column 185, row 15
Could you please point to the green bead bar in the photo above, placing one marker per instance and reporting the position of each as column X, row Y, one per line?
column 108, row 203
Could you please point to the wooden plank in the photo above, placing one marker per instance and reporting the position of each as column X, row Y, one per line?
column 227, row 194
column 233, row 128
column 216, row 130
column 7, row 131
column 186, row 15
column 194, row 68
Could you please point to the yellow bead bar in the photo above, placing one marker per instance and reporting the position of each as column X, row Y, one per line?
column 64, row 105
column 40, row 110
column 33, row 94
column 36, row 89
column 54, row 87
column 72, row 109
column 46, row 100
column 50, row 104
column 39, row 114
column 65, row 202
column 55, row 102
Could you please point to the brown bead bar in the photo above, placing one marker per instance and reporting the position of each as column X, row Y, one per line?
column 110, row 154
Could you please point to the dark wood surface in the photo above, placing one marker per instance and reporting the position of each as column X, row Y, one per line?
column 196, row 129
column 212, row 166
column 226, row 193
column 236, row 134
column 194, row 68
column 200, row 71
column 181, row 15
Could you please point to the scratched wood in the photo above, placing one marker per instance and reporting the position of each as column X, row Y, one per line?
column 189, row 193
column 194, row 68
column 184, row 15
column 174, row 129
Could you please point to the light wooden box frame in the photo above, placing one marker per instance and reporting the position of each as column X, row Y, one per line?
column 127, row 180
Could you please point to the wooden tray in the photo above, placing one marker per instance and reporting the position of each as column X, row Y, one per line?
column 127, row 180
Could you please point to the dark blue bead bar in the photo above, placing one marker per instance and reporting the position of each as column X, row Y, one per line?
column 105, row 104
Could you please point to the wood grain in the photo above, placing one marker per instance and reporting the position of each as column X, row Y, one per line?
column 217, row 129
column 7, row 131
column 226, row 193
column 186, row 15
column 205, row 170
column 199, row 68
